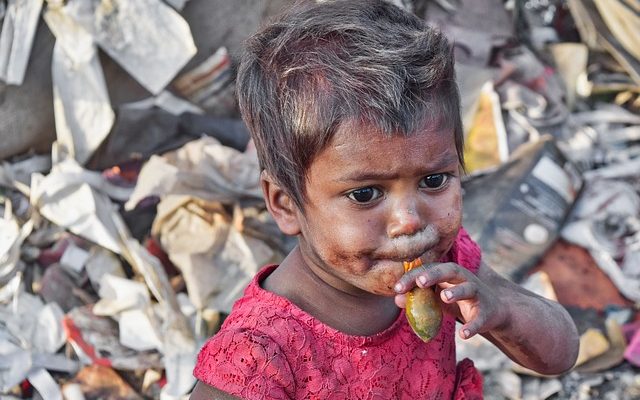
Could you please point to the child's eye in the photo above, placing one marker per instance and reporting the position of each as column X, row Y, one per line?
column 364, row 195
column 434, row 182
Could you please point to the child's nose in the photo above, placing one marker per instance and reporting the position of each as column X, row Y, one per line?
column 404, row 220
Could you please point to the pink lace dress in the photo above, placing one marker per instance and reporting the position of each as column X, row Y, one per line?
column 268, row 348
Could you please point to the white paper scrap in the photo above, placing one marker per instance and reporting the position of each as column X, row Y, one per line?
column 18, row 30
column 82, row 108
column 48, row 335
column 9, row 233
column 83, row 113
column 137, row 331
column 9, row 290
column 74, row 257
column 166, row 101
column 68, row 172
column 179, row 371
column 118, row 294
column 72, row 391
column 149, row 39
column 186, row 306
column 83, row 211
column 12, row 316
column 10, row 243
column 100, row 263
column 43, row 382
column 14, row 365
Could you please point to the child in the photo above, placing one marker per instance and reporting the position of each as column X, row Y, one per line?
column 354, row 112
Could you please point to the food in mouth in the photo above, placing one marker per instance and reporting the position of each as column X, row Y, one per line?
column 423, row 309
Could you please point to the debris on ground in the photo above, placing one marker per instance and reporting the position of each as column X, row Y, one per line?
column 124, row 243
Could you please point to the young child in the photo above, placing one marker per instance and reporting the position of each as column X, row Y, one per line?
column 354, row 112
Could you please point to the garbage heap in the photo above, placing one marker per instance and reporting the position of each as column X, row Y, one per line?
column 124, row 243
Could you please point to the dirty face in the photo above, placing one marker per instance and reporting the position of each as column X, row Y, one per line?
column 376, row 201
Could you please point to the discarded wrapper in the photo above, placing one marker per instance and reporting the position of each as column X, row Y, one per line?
column 515, row 212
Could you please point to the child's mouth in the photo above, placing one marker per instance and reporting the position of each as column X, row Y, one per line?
column 425, row 256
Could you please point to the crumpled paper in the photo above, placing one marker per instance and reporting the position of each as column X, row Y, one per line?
column 149, row 39
column 204, row 169
column 28, row 345
column 81, row 104
column 12, row 235
column 18, row 30
column 606, row 221
column 216, row 257
column 77, row 200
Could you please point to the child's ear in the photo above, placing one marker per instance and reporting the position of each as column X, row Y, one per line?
column 280, row 205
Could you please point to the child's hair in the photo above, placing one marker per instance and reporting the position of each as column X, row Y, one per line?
column 353, row 61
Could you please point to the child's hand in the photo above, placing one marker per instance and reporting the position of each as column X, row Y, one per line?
column 464, row 295
column 534, row 332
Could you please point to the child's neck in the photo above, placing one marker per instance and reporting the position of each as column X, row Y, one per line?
column 354, row 315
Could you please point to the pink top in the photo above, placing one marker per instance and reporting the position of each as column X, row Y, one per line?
column 268, row 348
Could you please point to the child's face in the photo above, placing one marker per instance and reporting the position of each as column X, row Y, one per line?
column 375, row 201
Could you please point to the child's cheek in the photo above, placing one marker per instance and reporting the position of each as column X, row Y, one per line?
column 449, row 222
column 384, row 286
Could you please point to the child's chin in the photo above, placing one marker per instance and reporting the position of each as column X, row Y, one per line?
column 385, row 292
column 385, row 288
column 388, row 293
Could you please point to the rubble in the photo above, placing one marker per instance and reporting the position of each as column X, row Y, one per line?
column 124, row 245
column 20, row 20
column 515, row 211
column 561, row 82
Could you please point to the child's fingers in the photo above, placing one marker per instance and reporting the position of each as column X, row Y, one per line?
column 463, row 291
column 401, row 300
column 406, row 281
column 472, row 327
column 430, row 274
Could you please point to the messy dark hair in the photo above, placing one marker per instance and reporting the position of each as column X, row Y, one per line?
column 322, row 65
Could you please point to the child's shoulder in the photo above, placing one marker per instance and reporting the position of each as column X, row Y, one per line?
column 233, row 357
column 257, row 307
column 259, row 318
column 248, row 346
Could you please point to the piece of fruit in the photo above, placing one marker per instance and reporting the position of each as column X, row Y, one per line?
column 423, row 309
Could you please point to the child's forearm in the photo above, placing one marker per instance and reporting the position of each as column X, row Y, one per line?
column 539, row 334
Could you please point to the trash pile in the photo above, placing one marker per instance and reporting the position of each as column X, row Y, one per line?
column 551, row 105
column 124, row 245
